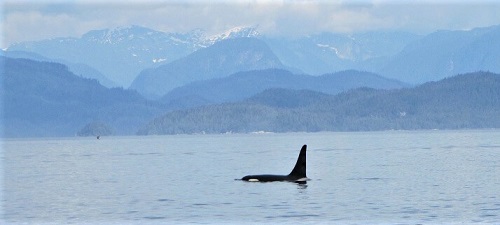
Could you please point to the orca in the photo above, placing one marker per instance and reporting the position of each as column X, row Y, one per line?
column 298, row 174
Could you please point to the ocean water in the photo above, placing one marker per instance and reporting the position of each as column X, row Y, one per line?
column 391, row 177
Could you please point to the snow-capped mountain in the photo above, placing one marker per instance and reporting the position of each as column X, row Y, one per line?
column 236, row 32
column 219, row 60
column 330, row 52
column 446, row 53
column 122, row 53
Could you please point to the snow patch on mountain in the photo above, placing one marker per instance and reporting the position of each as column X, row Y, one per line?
column 236, row 32
column 159, row 60
column 338, row 53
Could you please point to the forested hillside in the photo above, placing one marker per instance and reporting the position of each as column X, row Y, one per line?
column 461, row 102
column 242, row 85
column 79, row 69
column 45, row 99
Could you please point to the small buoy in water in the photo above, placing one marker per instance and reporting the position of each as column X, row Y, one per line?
column 98, row 137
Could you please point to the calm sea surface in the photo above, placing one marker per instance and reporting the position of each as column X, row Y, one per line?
column 393, row 177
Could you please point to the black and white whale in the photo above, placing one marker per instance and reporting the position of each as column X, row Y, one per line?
column 297, row 175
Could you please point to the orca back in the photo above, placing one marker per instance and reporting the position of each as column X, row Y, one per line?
column 297, row 175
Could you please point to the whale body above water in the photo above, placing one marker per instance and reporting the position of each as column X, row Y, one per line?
column 297, row 175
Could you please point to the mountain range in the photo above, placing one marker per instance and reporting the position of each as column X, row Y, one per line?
column 133, row 48
column 219, row 60
column 242, row 85
column 60, row 87
column 468, row 101
column 332, row 52
column 80, row 69
column 445, row 53
column 121, row 54
column 46, row 99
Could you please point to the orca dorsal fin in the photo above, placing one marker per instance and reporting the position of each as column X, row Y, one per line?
column 299, row 170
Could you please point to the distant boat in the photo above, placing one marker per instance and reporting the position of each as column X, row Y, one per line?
column 98, row 137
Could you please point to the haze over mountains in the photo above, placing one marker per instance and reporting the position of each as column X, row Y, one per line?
column 219, row 60
column 446, row 53
column 76, row 68
column 46, row 99
column 468, row 101
column 122, row 53
column 242, row 85
column 65, row 87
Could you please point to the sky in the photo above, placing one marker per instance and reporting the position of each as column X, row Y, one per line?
column 32, row 20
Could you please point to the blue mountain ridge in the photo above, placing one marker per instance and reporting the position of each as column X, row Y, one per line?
column 445, row 53
column 219, row 60
column 76, row 68
column 467, row 101
column 45, row 99
column 242, row 85
column 122, row 53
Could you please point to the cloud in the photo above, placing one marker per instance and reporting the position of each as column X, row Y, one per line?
column 29, row 20
column 22, row 25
